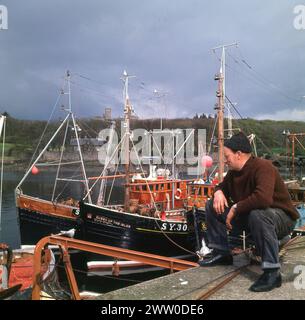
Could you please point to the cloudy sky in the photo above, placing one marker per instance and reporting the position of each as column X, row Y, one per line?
column 166, row 44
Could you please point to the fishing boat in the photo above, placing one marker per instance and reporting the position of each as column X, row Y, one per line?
column 16, row 272
column 154, row 217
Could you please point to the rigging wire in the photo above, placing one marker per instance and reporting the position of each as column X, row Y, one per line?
column 60, row 159
column 43, row 133
column 250, row 130
column 260, row 79
column 264, row 79
column 113, row 181
column 68, row 183
column 83, row 123
column 106, row 165
column 90, row 79
column 99, row 93
column 233, row 106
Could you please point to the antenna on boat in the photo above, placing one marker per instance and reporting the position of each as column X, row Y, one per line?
column 221, row 94
column 161, row 96
column 69, row 89
column 126, row 150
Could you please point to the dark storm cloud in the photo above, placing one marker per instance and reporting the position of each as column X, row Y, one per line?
column 166, row 44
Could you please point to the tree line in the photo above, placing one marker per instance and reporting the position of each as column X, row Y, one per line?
column 23, row 136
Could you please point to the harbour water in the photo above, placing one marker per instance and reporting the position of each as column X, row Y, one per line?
column 9, row 224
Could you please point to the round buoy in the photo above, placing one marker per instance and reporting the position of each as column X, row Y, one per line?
column 206, row 161
column 35, row 170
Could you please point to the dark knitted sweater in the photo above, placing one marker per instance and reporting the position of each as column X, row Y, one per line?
column 257, row 186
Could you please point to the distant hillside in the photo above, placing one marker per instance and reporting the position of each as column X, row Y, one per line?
column 22, row 136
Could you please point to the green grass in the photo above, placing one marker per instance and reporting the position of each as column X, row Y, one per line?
column 7, row 146
column 278, row 150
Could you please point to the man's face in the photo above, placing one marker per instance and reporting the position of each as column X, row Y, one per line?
column 232, row 159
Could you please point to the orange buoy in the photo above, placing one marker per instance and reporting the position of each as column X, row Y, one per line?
column 35, row 170
column 206, row 161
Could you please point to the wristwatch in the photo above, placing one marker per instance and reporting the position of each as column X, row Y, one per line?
column 234, row 206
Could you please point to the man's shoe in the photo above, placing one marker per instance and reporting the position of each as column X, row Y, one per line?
column 267, row 281
column 217, row 259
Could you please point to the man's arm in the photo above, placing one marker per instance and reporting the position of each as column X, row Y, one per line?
column 220, row 195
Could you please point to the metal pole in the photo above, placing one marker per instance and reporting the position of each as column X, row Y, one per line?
column 127, row 111
column 293, row 156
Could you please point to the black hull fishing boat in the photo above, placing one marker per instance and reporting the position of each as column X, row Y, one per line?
column 168, row 237
column 39, row 218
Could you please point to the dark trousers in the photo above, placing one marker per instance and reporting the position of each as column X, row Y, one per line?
column 266, row 226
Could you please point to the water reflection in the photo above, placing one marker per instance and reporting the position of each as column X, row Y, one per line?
column 41, row 185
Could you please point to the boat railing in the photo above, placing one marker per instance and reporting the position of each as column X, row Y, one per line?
column 65, row 244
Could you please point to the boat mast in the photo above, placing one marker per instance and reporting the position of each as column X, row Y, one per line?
column 127, row 114
column 76, row 128
column 221, row 94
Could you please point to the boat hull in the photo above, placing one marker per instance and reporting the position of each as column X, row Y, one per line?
column 36, row 225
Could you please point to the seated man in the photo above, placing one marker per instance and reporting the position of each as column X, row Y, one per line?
column 251, row 197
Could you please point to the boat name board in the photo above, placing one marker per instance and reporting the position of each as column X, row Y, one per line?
column 108, row 221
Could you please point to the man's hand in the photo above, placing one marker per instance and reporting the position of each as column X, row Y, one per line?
column 230, row 217
column 220, row 202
